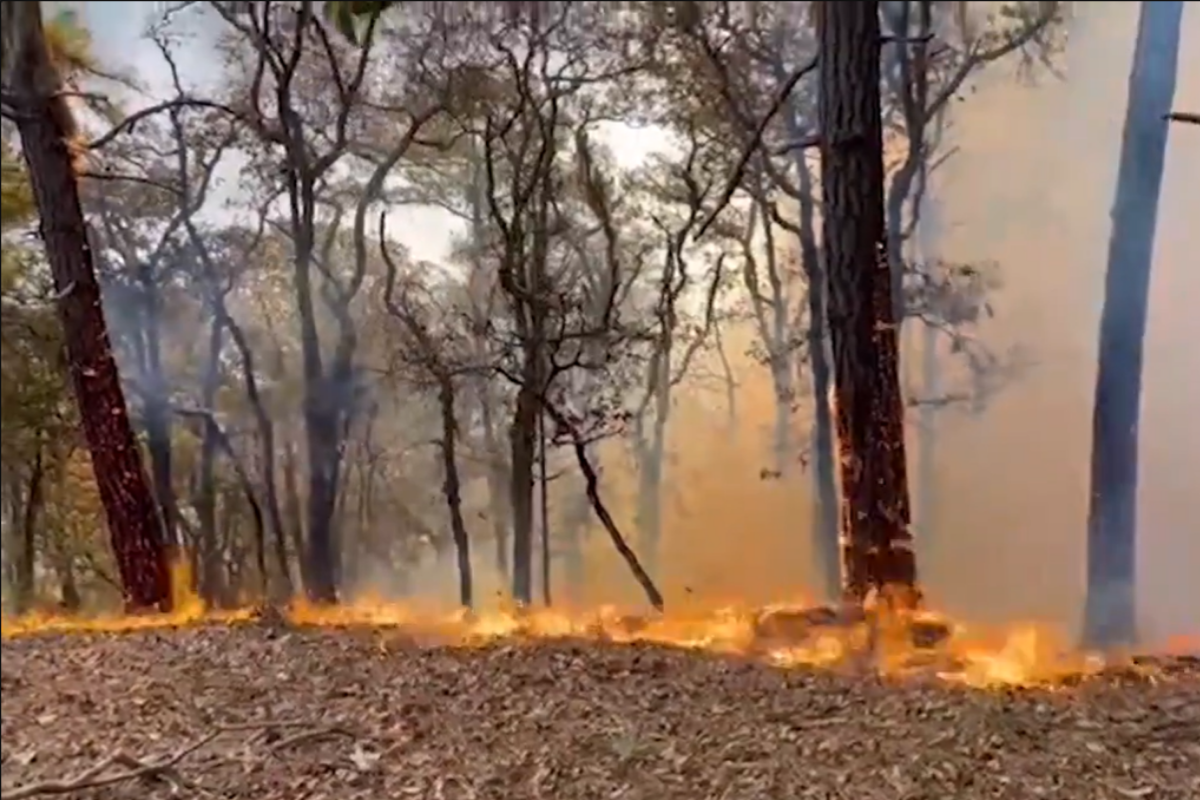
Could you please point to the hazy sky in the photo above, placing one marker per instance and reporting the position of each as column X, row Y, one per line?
column 1031, row 189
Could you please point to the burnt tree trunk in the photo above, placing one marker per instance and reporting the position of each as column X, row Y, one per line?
column 876, row 542
column 46, row 127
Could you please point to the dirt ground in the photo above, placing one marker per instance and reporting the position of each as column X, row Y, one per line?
column 263, row 713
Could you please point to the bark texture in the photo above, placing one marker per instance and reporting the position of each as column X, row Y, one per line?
column 47, row 127
column 877, row 552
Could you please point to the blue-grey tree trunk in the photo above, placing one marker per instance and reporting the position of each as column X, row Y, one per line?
column 926, row 490
column 1110, row 616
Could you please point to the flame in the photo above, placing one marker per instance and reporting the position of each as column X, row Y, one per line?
column 1182, row 646
column 786, row 635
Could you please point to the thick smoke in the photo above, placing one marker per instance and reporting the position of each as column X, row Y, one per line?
column 1030, row 189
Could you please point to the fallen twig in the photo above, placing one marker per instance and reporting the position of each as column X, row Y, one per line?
column 101, row 775
column 306, row 736
column 134, row 769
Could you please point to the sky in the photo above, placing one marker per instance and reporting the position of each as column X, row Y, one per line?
column 1030, row 189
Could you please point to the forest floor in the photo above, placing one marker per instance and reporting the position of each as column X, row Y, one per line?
column 284, row 713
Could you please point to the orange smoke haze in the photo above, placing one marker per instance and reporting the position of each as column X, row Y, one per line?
column 1030, row 189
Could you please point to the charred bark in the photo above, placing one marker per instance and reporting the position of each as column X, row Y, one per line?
column 877, row 552
column 46, row 128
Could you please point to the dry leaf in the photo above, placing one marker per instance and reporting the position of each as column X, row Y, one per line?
column 571, row 720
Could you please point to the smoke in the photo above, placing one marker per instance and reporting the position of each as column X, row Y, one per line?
column 1031, row 190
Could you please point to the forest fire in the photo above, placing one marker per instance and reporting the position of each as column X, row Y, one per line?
column 787, row 636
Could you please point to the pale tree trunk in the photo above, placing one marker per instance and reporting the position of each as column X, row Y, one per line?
column 1110, row 617
column 878, row 552
column 825, row 537
column 652, row 448
column 481, row 287
column 926, row 499
column 825, row 501
column 205, row 498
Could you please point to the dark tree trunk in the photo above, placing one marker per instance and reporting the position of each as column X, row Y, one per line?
column 324, row 462
column 523, row 442
column 46, row 127
column 27, row 554
column 451, row 487
column 877, row 550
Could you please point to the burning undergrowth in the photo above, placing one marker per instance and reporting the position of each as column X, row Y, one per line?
column 783, row 636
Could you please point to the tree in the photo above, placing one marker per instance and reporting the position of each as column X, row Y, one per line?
column 303, row 140
column 35, row 99
column 869, row 413
column 433, row 359
column 1110, row 616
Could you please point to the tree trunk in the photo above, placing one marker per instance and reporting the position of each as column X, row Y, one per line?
column 825, row 506
column 323, row 468
column 47, row 127
column 877, row 544
column 1112, row 514
column 452, row 489
column 497, row 483
column 24, row 585
column 926, row 491
column 158, row 419
column 295, row 520
column 653, row 454
column 69, row 599
column 546, row 559
column 523, row 443
column 206, row 487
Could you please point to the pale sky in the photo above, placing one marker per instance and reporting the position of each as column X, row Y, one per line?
column 118, row 31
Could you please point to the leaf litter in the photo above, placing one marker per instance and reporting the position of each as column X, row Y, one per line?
column 260, row 713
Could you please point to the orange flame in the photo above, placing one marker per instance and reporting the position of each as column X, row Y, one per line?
column 1022, row 655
